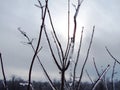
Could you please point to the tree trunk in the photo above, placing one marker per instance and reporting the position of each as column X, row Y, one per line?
column 62, row 80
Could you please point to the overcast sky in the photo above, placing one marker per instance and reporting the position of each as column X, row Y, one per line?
column 104, row 14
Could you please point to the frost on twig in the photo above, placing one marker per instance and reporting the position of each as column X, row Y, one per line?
column 86, row 58
column 103, row 81
column 100, row 78
column 78, row 55
column 44, row 70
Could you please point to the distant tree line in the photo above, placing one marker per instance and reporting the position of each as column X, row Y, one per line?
column 20, row 84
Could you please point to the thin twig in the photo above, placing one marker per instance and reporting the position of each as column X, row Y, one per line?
column 112, row 56
column 96, row 67
column 44, row 70
column 89, row 76
column 68, row 52
column 53, row 55
column 58, row 51
column 79, row 82
column 3, row 72
column 75, row 17
column 113, row 73
column 68, row 43
column 74, row 31
column 78, row 54
column 100, row 78
column 38, row 44
column 51, row 22
column 103, row 81
column 68, row 21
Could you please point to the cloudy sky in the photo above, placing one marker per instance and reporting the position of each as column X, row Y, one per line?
column 104, row 14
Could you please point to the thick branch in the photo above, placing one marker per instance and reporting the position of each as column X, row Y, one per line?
column 50, row 18
column 54, row 58
column 38, row 44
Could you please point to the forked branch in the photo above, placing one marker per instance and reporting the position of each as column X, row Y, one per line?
column 44, row 70
column 81, row 74
column 75, row 17
column 51, row 22
column 78, row 54
column 53, row 55
column 100, row 78
column 38, row 44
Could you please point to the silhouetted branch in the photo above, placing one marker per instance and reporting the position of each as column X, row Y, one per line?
column 57, row 49
column 63, row 68
column 100, row 78
column 23, row 33
column 81, row 74
column 54, row 58
column 66, row 57
column 68, row 21
column 113, row 73
column 68, row 28
column 112, row 55
column 50, row 18
column 38, row 44
column 89, row 76
column 4, row 77
column 96, row 67
column 103, row 81
column 44, row 70
column 74, row 31
column 67, row 65
column 75, row 16
column 78, row 54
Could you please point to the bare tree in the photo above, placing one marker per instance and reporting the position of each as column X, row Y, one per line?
column 64, row 57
